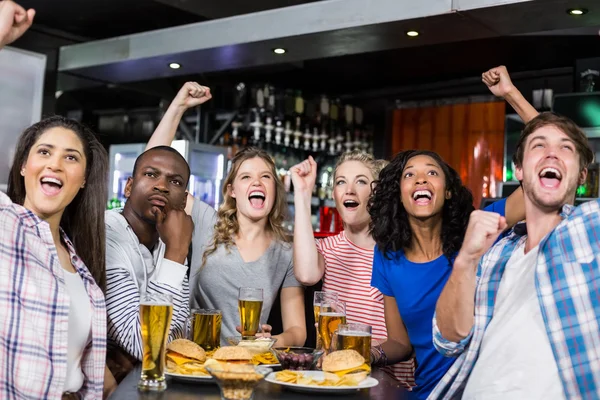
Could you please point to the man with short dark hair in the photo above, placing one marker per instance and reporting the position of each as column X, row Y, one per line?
column 147, row 243
column 524, row 319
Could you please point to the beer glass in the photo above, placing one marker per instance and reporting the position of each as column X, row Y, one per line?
column 250, row 301
column 332, row 314
column 355, row 337
column 204, row 328
column 156, row 311
column 318, row 299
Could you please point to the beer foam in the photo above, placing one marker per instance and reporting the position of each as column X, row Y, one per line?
column 155, row 303
column 355, row 333
column 332, row 314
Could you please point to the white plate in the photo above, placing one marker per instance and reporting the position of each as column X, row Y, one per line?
column 190, row 378
column 318, row 375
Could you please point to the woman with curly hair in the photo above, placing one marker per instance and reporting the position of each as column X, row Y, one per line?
column 344, row 261
column 419, row 215
column 248, row 247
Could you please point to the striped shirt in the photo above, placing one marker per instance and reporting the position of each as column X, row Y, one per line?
column 348, row 270
column 34, row 310
column 568, row 290
column 131, row 269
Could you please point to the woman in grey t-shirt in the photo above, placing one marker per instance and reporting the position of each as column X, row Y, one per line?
column 244, row 245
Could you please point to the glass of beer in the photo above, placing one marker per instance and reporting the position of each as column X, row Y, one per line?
column 355, row 337
column 332, row 314
column 250, row 301
column 204, row 328
column 156, row 311
column 318, row 299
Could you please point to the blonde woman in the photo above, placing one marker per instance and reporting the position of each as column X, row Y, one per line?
column 344, row 261
column 244, row 244
column 249, row 248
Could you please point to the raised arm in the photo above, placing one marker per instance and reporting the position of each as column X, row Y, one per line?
column 499, row 82
column 309, row 264
column 14, row 21
column 456, row 305
column 190, row 95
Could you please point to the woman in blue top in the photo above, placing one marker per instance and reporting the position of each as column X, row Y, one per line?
column 419, row 212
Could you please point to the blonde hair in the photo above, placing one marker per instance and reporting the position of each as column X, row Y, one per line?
column 375, row 165
column 227, row 225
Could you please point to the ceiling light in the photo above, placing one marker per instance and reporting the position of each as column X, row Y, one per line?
column 174, row 65
column 279, row 50
column 577, row 11
column 412, row 33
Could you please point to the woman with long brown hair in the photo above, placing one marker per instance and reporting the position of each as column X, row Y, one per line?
column 244, row 243
column 248, row 247
column 52, row 264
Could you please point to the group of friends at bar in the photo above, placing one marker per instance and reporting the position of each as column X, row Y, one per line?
column 497, row 303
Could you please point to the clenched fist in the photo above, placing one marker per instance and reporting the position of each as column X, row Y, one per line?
column 498, row 81
column 191, row 95
column 482, row 231
column 14, row 21
column 175, row 229
column 304, row 176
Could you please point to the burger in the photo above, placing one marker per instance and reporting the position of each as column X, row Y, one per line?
column 345, row 364
column 233, row 355
column 183, row 353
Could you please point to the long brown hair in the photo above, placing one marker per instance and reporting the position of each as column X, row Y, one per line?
column 83, row 219
column 227, row 225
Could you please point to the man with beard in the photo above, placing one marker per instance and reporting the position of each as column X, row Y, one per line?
column 524, row 318
column 147, row 243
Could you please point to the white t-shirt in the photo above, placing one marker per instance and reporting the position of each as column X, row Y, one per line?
column 516, row 360
column 80, row 324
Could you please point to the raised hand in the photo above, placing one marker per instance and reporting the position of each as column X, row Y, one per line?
column 191, row 95
column 498, row 81
column 14, row 21
column 175, row 229
column 304, row 176
column 482, row 231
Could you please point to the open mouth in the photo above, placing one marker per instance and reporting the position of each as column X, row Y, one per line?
column 351, row 204
column 550, row 177
column 51, row 186
column 422, row 197
column 257, row 199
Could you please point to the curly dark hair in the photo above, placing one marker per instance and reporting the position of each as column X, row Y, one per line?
column 389, row 220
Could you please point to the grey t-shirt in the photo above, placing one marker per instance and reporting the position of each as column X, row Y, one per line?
column 216, row 284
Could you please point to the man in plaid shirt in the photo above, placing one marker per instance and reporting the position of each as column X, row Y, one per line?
column 524, row 318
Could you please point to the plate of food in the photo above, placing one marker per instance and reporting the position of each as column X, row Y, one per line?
column 187, row 361
column 242, row 354
column 343, row 372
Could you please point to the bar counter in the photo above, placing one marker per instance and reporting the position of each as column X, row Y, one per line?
column 127, row 390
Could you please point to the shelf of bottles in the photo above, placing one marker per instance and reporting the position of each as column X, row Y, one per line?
column 290, row 127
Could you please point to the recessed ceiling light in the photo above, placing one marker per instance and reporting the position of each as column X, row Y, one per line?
column 577, row 11
column 412, row 33
column 174, row 65
column 279, row 50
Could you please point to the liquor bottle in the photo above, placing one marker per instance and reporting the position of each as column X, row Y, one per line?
column 256, row 126
column 297, row 133
column 288, row 133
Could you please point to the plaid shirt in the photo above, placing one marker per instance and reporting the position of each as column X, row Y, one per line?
column 567, row 277
column 34, row 310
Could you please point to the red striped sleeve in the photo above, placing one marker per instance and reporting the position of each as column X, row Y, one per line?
column 348, row 271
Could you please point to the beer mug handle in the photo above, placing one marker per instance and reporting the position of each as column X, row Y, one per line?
column 189, row 328
column 334, row 341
